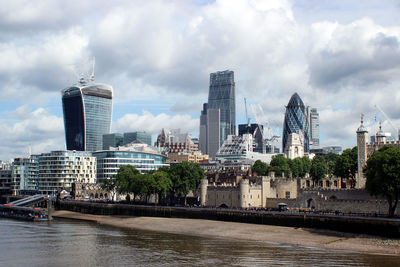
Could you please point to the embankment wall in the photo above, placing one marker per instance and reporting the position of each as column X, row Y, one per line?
column 365, row 225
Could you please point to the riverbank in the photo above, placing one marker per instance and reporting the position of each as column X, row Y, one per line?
column 243, row 231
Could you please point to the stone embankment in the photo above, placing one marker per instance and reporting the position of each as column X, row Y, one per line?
column 389, row 227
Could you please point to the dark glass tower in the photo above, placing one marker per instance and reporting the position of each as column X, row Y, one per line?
column 296, row 122
column 222, row 96
column 87, row 109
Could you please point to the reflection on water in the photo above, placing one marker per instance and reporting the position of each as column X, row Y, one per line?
column 78, row 243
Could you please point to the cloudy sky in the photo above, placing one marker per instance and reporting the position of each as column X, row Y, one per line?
column 342, row 57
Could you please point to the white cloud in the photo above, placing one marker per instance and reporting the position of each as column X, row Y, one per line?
column 37, row 129
column 154, row 123
column 161, row 52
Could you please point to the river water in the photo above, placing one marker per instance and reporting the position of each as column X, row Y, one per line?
column 79, row 243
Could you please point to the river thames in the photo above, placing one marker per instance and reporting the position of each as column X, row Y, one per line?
column 78, row 243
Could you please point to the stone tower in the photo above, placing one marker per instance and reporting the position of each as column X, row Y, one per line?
column 362, row 136
column 203, row 192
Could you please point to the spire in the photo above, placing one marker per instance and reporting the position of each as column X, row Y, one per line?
column 362, row 129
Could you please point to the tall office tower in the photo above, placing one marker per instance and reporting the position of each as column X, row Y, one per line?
column 87, row 108
column 213, row 132
column 314, row 128
column 296, row 122
column 222, row 96
column 203, row 130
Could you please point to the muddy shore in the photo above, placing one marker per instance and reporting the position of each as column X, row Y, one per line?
column 264, row 233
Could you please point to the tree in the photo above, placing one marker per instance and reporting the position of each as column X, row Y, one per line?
column 279, row 164
column 296, row 167
column 331, row 159
column 109, row 185
column 261, row 168
column 125, row 178
column 318, row 168
column 346, row 165
column 185, row 176
column 383, row 175
column 163, row 184
column 306, row 166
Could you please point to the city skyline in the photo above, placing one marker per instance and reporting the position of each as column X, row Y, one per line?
column 341, row 57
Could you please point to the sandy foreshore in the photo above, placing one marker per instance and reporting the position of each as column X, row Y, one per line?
column 243, row 231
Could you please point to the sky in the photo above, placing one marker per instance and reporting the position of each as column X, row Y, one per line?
column 342, row 57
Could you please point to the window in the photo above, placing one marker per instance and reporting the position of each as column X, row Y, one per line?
column 287, row 194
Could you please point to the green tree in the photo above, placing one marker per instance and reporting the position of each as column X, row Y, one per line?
column 261, row 168
column 383, row 175
column 331, row 159
column 279, row 164
column 318, row 168
column 125, row 178
column 296, row 167
column 346, row 165
column 109, row 185
column 185, row 176
column 163, row 184
column 306, row 166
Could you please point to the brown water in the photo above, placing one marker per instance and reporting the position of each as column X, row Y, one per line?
column 79, row 243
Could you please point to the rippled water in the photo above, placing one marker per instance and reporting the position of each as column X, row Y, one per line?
column 79, row 243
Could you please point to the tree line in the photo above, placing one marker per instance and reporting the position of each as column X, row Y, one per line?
column 168, row 183
column 321, row 166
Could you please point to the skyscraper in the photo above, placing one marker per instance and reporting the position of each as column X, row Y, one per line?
column 296, row 122
column 222, row 96
column 314, row 128
column 87, row 108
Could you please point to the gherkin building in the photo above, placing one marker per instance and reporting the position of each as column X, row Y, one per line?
column 296, row 122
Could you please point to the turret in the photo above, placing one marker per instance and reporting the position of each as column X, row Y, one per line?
column 362, row 136
column 203, row 192
column 244, row 193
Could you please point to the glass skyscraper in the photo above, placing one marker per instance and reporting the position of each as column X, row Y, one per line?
column 296, row 121
column 222, row 96
column 87, row 109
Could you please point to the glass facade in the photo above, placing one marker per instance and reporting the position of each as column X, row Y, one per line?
column 25, row 174
column 296, row 122
column 87, row 110
column 137, row 136
column 112, row 140
column 222, row 96
column 109, row 162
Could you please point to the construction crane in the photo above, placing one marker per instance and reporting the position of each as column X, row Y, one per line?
column 389, row 120
column 247, row 116
column 268, row 135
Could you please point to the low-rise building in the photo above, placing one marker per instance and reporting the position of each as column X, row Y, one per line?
column 238, row 148
column 25, row 175
column 196, row 157
column 143, row 157
column 176, row 141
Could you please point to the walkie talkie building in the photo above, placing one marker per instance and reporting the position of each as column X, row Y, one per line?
column 87, row 109
column 296, row 122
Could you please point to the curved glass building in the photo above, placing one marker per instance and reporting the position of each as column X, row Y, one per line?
column 143, row 157
column 87, row 109
column 296, row 122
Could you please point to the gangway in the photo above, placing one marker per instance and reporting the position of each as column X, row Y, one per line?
column 29, row 201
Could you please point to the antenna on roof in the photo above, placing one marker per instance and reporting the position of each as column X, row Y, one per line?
column 92, row 76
